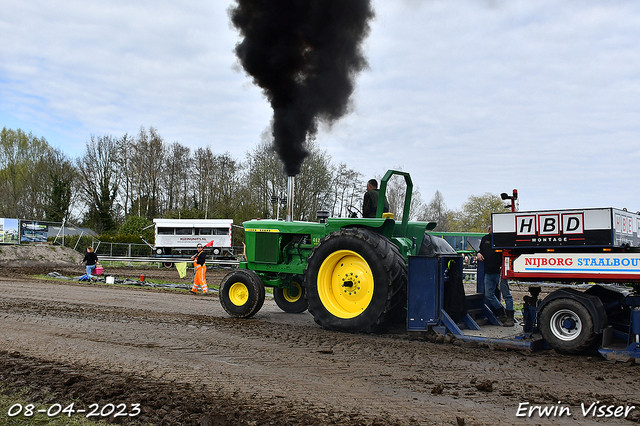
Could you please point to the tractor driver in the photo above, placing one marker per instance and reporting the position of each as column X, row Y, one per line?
column 370, row 202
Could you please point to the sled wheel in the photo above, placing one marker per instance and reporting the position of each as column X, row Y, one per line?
column 241, row 293
column 355, row 281
column 567, row 326
column 291, row 300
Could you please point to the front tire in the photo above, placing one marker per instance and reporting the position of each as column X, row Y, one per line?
column 242, row 293
column 355, row 281
column 567, row 326
column 291, row 300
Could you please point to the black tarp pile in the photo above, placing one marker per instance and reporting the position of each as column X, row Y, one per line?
column 124, row 281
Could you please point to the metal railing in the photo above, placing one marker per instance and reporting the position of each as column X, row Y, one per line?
column 142, row 253
column 165, row 261
column 122, row 249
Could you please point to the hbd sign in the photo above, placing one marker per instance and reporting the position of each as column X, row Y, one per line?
column 589, row 227
column 550, row 224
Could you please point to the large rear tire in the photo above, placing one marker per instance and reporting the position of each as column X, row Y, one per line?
column 242, row 293
column 567, row 326
column 356, row 281
column 291, row 300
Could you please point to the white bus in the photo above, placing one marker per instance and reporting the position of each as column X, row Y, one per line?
column 183, row 235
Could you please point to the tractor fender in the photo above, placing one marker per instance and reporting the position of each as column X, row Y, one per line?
column 592, row 303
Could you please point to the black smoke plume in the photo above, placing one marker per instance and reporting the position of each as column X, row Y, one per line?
column 305, row 55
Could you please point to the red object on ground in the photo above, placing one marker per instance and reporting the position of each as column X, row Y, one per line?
column 142, row 278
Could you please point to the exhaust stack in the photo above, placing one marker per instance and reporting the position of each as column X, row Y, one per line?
column 291, row 180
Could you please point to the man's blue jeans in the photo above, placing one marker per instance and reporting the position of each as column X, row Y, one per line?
column 90, row 269
column 491, row 283
column 506, row 294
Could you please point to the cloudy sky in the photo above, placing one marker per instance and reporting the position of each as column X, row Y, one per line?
column 469, row 96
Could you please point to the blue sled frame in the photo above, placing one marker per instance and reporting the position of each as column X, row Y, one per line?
column 428, row 281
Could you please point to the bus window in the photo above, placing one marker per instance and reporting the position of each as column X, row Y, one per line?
column 165, row 231
column 221, row 231
column 184, row 231
column 204, row 231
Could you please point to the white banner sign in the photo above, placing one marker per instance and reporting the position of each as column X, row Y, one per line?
column 573, row 263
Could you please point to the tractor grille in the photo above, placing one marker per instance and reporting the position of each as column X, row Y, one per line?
column 266, row 247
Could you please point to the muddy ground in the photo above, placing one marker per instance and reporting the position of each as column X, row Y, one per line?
column 187, row 363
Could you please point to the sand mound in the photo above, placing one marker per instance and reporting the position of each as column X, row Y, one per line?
column 28, row 254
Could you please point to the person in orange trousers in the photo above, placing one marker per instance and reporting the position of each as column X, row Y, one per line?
column 199, row 278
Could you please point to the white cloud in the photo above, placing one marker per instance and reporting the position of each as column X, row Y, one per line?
column 468, row 96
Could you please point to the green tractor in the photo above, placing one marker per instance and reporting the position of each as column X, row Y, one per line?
column 350, row 273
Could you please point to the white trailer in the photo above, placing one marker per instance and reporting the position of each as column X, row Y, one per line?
column 183, row 235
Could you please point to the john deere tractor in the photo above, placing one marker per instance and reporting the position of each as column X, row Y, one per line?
column 351, row 273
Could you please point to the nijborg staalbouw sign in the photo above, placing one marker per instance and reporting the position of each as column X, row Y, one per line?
column 574, row 263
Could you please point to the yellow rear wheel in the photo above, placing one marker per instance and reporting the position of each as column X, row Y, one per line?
column 345, row 284
column 355, row 281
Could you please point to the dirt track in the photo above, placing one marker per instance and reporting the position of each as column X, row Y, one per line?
column 186, row 362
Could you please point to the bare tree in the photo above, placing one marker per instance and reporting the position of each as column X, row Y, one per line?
column 127, row 149
column 347, row 188
column 100, row 179
column 61, row 173
column 436, row 211
column 203, row 177
column 225, row 183
column 265, row 179
column 147, row 164
column 176, row 178
column 313, row 184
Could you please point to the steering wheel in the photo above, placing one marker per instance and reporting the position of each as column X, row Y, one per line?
column 353, row 211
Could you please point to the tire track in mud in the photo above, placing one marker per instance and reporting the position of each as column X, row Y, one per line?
column 161, row 403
